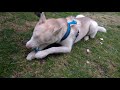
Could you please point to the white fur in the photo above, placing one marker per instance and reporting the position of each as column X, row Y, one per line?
column 80, row 16
column 86, row 38
column 57, row 33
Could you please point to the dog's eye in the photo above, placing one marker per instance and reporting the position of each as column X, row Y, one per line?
column 35, row 37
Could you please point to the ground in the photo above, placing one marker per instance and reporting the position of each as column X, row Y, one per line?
column 102, row 61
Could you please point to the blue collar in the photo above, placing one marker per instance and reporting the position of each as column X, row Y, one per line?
column 68, row 29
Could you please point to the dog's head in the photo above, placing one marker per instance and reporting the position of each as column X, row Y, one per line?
column 44, row 33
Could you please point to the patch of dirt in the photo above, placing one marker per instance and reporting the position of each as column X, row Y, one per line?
column 26, row 27
column 99, row 70
column 112, row 67
column 16, row 75
column 30, row 24
column 104, row 19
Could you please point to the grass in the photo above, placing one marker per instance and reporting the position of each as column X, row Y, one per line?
column 17, row 27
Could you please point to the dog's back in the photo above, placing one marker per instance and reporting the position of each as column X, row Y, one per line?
column 89, row 27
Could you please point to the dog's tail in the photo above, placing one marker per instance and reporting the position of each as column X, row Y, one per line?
column 101, row 29
column 80, row 16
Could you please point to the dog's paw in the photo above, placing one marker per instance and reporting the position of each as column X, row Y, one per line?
column 86, row 38
column 30, row 56
column 41, row 54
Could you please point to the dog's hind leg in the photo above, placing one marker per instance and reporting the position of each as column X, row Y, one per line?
column 93, row 29
column 93, row 34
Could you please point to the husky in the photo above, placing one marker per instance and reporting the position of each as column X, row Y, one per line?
column 64, row 31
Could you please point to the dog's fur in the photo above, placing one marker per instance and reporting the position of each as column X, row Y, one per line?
column 52, row 30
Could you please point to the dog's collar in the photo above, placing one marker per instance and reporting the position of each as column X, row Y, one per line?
column 68, row 29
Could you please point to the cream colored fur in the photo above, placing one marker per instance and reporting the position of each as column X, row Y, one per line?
column 48, row 31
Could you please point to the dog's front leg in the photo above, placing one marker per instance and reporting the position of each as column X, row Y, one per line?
column 65, row 48
column 78, row 39
column 31, row 55
column 44, row 53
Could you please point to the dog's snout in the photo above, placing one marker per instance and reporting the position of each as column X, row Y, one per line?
column 28, row 45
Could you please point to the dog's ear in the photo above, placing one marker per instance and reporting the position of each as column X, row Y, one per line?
column 57, row 31
column 42, row 18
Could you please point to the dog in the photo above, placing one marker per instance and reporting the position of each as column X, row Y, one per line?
column 64, row 31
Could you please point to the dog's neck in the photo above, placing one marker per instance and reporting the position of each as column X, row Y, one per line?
column 66, row 31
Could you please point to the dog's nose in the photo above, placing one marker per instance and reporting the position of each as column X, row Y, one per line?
column 28, row 46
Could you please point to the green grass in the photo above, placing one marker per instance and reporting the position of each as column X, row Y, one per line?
column 17, row 27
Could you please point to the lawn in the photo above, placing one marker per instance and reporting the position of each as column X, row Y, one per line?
column 102, row 61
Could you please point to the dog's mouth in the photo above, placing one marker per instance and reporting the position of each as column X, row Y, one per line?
column 36, row 49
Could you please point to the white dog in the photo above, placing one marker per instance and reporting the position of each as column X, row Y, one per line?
column 65, row 31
